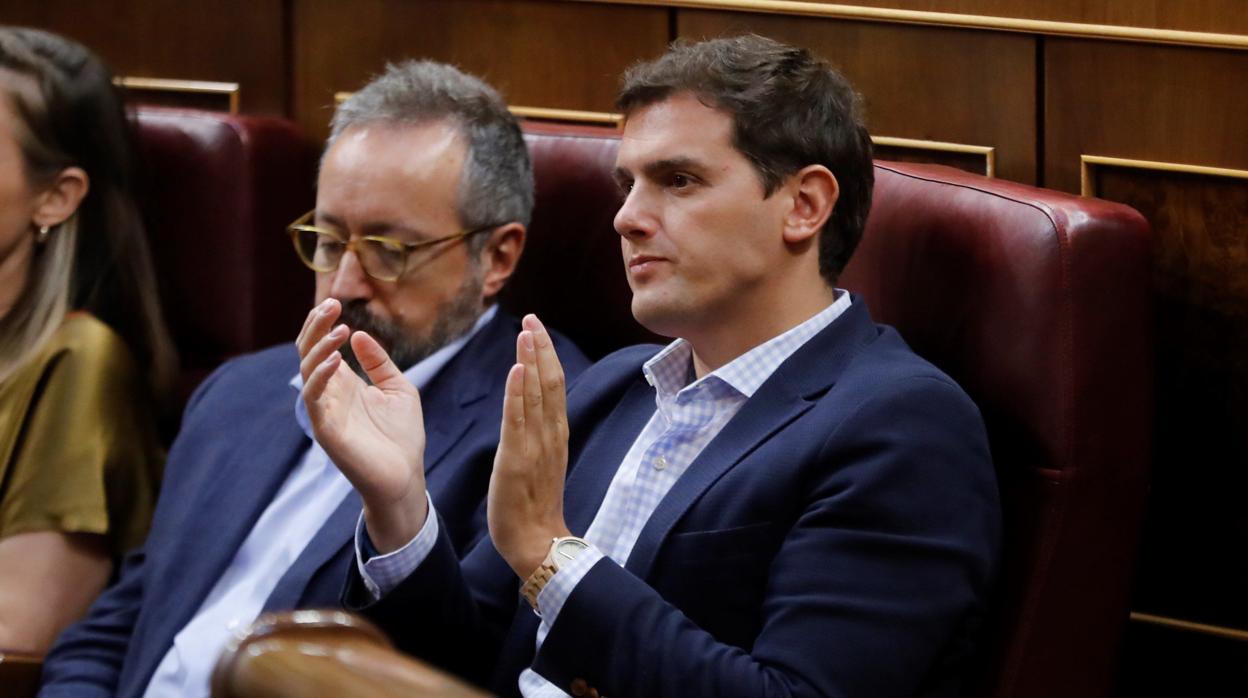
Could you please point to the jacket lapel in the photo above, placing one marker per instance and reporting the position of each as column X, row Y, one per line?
column 337, row 533
column 461, row 383
column 785, row 396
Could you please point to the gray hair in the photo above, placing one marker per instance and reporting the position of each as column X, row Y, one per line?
column 496, row 186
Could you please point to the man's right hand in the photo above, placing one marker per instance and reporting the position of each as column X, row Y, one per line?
column 375, row 433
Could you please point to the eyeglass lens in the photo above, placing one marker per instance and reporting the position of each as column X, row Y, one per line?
column 323, row 253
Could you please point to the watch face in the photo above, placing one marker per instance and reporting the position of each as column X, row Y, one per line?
column 569, row 549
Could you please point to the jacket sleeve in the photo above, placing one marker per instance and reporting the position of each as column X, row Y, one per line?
column 449, row 612
column 87, row 658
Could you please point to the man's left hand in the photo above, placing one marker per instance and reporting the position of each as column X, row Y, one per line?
column 525, row 505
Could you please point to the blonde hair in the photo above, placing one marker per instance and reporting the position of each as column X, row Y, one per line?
column 43, row 303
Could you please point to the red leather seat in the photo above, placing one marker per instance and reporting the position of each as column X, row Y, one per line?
column 1034, row 300
column 218, row 194
column 1037, row 303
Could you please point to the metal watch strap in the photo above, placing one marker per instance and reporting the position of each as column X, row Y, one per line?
column 537, row 581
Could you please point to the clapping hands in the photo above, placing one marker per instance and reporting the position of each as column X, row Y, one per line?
column 373, row 433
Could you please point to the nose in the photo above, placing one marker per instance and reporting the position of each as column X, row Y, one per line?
column 634, row 219
column 349, row 282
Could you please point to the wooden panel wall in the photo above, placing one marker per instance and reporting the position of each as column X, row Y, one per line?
column 929, row 83
column 242, row 41
column 549, row 54
column 1177, row 106
column 1041, row 100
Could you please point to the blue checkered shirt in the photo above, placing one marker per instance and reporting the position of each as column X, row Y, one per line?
column 687, row 417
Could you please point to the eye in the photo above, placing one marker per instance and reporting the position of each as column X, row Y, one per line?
column 328, row 243
column 625, row 185
column 680, row 180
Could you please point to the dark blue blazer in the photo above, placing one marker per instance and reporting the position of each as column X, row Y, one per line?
column 238, row 443
column 839, row 537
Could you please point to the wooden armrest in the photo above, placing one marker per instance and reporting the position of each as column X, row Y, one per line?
column 305, row 653
column 19, row 674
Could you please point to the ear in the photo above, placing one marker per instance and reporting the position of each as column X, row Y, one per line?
column 500, row 256
column 814, row 191
column 60, row 199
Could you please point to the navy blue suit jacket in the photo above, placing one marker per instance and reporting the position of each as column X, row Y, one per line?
column 238, row 443
column 839, row 537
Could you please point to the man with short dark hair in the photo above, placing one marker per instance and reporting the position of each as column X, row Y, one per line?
column 784, row 501
column 424, row 193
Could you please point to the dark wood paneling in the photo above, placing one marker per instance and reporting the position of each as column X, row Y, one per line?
column 960, row 86
column 1186, row 106
column 208, row 101
column 548, row 54
column 238, row 41
column 968, row 162
column 1170, row 104
column 1192, row 565
column 1165, row 662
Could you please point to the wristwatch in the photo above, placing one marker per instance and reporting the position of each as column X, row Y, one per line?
column 562, row 551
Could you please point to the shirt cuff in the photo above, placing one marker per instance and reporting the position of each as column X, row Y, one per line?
column 382, row 573
column 551, row 598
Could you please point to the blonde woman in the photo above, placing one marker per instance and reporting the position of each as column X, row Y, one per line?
column 84, row 354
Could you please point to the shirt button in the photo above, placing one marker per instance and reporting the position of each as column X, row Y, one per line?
column 660, row 463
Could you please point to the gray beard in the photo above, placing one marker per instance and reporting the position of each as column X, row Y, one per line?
column 406, row 348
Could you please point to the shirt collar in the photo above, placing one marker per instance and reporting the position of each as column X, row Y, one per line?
column 670, row 370
column 419, row 374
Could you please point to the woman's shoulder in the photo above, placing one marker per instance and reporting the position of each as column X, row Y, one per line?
column 86, row 343
column 82, row 331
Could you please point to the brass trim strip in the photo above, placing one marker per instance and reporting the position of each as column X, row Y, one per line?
column 1189, row 626
column 229, row 89
column 590, row 117
column 950, row 19
column 1087, row 162
column 988, row 152
column 340, row 97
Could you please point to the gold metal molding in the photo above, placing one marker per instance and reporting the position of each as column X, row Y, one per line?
column 230, row 90
column 989, row 153
column 582, row 117
column 949, row 19
column 1189, row 626
column 1087, row 163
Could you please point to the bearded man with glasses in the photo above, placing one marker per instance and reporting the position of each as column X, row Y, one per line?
column 424, row 193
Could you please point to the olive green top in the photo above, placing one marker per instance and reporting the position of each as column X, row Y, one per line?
column 78, row 445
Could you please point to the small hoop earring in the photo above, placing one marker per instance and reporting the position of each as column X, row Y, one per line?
column 42, row 237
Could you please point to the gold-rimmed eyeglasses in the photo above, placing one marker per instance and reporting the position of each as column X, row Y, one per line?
column 382, row 258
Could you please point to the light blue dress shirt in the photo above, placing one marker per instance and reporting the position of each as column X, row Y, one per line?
column 310, row 494
column 687, row 417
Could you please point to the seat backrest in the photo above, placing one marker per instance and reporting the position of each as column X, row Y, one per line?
column 218, row 194
column 1034, row 300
